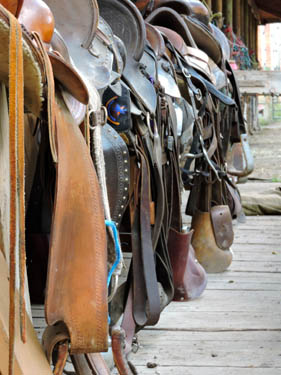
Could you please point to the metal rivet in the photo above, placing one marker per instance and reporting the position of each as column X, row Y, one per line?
column 122, row 206
column 124, row 152
column 124, row 198
column 126, row 170
column 125, row 161
column 126, row 189
column 119, row 215
column 115, row 137
column 126, row 179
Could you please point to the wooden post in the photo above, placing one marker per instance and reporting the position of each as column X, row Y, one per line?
column 229, row 13
column 209, row 3
column 250, row 32
column 237, row 17
column 256, row 37
column 246, row 23
column 242, row 16
column 217, row 6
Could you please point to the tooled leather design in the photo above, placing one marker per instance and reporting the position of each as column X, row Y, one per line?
column 117, row 171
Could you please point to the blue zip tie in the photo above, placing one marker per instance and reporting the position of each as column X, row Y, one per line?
column 112, row 225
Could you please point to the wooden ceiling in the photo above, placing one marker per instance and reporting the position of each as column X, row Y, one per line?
column 269, row 10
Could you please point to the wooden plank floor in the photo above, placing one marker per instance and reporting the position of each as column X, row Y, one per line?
column 235, row 327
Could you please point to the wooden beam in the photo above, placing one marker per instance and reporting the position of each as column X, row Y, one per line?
column 229, row 13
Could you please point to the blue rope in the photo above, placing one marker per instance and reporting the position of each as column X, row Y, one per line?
column 112, row 225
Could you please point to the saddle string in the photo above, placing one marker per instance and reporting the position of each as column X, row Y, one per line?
column 16, row 154
column 100, row 167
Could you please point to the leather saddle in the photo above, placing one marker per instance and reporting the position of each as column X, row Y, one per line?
column 90, row 43
column 75, row 177
column 195, row 15
column 128, row 24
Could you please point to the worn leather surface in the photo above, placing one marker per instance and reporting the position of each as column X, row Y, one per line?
column 210, row 256
column 155, row 39
column 76, row 291
column 13, row 6
column 190, row 278
column 222, row 226
column 88, row 42
column 117, row 169
column 35, row 15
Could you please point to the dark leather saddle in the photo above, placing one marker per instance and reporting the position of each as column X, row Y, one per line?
column 127, row 23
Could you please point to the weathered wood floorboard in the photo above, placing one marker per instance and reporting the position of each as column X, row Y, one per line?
column 235, row 327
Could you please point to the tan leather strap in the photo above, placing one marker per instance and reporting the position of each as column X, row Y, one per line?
column 16, row 147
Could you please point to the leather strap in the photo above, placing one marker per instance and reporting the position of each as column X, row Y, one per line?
column 145, row 280
column 16, row 154
column 56, row 338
